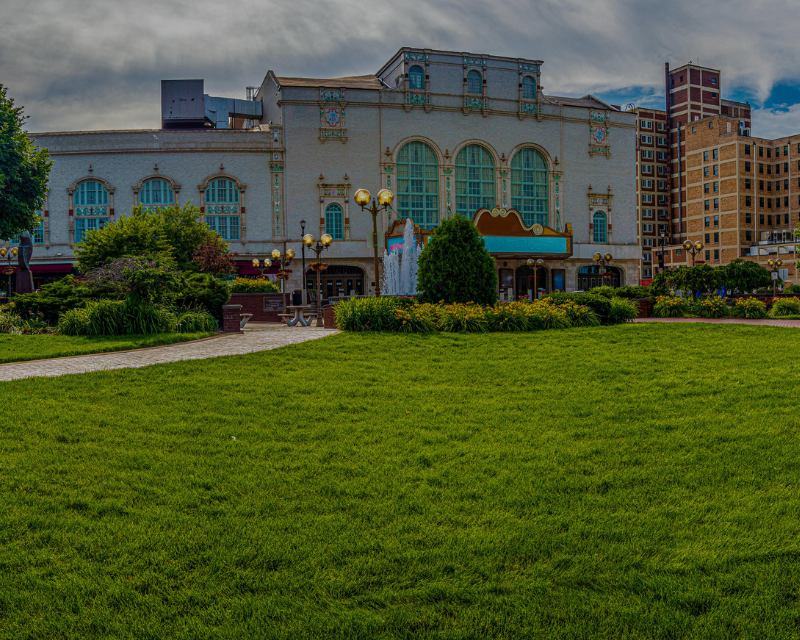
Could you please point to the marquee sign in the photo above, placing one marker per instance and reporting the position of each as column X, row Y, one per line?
column 506, row 235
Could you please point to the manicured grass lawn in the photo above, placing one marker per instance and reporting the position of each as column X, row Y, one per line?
column 638, row 481
column 15, row 348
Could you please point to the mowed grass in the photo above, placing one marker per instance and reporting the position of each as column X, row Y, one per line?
column 638, row 481
column 14, row 348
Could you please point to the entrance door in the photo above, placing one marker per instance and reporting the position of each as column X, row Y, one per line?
column 527, row 282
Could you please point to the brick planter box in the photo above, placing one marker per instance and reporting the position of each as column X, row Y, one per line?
column 265, row 307
column 231, row 318
column 644, row 305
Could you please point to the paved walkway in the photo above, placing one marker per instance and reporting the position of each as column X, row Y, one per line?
column 769, row 322
column 257, row 337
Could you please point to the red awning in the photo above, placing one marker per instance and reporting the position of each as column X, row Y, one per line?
column 48, row 269
column 247, row 269
column 645, row 283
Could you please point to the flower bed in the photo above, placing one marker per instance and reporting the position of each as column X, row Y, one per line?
column 392, row 314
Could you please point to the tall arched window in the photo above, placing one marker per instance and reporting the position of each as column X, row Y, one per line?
column 334, row 221
column 90, row 202
column 222, row 208
column 529, row 88
column 600, row 225
column 474, row 180
column 418, row 184
column 529, row 193
column 156, row 193
column 416, row 78
column 474, row 82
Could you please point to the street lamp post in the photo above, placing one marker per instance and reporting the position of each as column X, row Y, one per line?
column 384, row 199
column 694, row 249
column 663, row 243
column 303, row 255
column 11, row 253
column 283, row 260
column 323, row 243
column 262, row 266
column 602, row 260
column 535, row 264
column 775, row 264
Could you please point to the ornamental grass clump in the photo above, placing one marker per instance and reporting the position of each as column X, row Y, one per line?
column 749, row 308
column 670, row 307
column 366, row 314
column 622, row 310
column 712, row 307
column 195, row 321
column 785, row 307
column 508, row 316
column 578, row 315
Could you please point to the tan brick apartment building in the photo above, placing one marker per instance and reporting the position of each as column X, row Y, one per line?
column 742, row 195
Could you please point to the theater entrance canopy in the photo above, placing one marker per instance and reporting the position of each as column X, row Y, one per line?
column 507, row 236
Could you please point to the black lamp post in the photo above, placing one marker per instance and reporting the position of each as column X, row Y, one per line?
column 303, row 255
column 384, row 200
column 323, row 243
column 11, row 253
column 601, row 261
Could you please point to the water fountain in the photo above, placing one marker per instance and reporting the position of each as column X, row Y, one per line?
column 400, row 268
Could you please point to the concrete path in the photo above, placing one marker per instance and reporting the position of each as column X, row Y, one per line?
column 768, row 322
column 256, row 337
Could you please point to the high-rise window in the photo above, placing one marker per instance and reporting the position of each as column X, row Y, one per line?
column 600, row 227
column 334, row 220
column 222, row 208
column 474, row 82
column 474, row 180
column 529, row 88
column 416, row 78
column 418, row 184
column 529, row 193
column 156, row 193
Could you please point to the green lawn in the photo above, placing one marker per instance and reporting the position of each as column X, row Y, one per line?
column 638, row 481
column 15, row 348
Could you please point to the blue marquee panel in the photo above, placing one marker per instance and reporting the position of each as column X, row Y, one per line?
column 541, row 244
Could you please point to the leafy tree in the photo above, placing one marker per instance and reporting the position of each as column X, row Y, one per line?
column 137, row 235
column 186, row 234
column 24, row 170
column 701, row 278
column 169, row 235
column 455, row 267
column 213, row 256
column 743, row 275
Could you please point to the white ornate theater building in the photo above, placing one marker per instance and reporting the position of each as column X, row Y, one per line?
column 448, row 133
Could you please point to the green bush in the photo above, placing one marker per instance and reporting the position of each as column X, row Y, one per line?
column 366, row 314
column 785, row 307
column 10, row 322
column 120, row 317
column 201, row 291
column 670, row 307
column 459, row 317
column 601, row 305
column 54, row 299
column 455, row 267
column 254, row 285
column 622, row 310
column 750, row 308
column 508, row 317
column 792, row 288
column 711, row 307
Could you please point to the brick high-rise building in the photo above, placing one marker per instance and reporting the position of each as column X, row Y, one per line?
column 742, row 195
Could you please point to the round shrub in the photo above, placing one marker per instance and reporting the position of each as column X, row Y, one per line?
column 749, row 308
column 455, row 267
column 785, row 307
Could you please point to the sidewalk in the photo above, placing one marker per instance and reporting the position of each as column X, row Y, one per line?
column 256, row 337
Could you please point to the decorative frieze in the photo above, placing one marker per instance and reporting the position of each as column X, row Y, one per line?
column 474, row 103
column 331, row 95
column 474, row 62
column 528, row 108
column 416, row 57
column 533, row 68
column 598, row 134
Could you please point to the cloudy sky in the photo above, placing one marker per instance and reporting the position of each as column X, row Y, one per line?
column 97, row 64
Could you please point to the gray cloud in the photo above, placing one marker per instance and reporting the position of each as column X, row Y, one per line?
column 94, row 64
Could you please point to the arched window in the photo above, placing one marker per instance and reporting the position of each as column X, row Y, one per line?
column 418, row 185
column 334, row 221
column 416, row 78
column 222, row 208
column 156, row 193
column 474, row 82
column 474, row 180
column 528, row 88
column 90, row 202
column 600, row 225
column 529, row 193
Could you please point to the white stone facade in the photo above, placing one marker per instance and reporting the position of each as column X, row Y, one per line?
column 320, row 140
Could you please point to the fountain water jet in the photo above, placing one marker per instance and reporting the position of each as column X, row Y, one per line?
column 400, row 268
